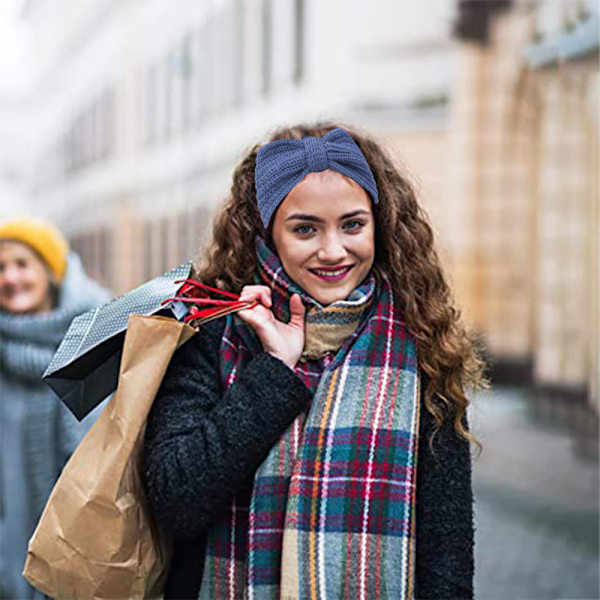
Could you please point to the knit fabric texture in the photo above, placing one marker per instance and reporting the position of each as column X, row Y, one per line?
column 341, row 481
column 203, row 445
column 45, row 239
column 283, row 164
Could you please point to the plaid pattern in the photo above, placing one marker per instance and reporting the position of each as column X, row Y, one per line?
column 332, row 510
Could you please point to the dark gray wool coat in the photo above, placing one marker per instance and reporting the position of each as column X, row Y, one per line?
column 203, row 446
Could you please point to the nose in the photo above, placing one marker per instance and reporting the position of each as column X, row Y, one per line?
column 9, row 275
column 332, row 250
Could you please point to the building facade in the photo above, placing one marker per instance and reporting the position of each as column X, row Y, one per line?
column 142, row 108
column 526, row 182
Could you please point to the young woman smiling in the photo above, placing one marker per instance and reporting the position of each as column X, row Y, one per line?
column 290, row 450
column 42, row 288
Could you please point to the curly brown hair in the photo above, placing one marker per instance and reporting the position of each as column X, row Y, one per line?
column 404, row 249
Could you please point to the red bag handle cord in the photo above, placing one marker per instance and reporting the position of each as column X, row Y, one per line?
column 213, row 307
column 198, row 284
column 203, row 301
column 208, row 313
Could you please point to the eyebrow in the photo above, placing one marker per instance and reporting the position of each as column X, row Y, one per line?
column 316, row 219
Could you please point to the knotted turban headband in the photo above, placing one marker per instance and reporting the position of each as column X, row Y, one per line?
column 282, row 164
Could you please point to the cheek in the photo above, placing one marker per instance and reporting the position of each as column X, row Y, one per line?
column 42, row 289
column 293, row 253
column 364, row 247
column 37, row 278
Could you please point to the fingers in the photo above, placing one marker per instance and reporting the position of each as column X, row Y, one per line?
column 297, row 311
column 262, row 293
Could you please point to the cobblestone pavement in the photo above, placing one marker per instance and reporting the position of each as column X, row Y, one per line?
column 536, row 505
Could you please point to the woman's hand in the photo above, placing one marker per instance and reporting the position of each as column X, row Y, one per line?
column 285, row 341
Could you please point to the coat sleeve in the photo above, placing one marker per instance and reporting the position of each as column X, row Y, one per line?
column 445, row 530
column 203, row 445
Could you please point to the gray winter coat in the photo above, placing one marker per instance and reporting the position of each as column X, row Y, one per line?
column 37, row 431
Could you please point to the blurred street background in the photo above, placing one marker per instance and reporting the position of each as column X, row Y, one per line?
column 121, row 121
column 536, row 503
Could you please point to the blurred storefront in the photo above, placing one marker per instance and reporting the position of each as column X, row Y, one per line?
column 143, row 108
column 14, row 155
column 525, row 140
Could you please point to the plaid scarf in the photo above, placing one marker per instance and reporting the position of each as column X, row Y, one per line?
column 331, row 513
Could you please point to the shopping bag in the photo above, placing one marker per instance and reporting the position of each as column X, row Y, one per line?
column 85, row 368
column 96, row 538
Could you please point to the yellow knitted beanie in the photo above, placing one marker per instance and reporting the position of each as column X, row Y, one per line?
column 42, row 237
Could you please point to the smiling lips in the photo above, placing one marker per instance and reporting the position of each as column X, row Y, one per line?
column 11, row 292
column 331, row 273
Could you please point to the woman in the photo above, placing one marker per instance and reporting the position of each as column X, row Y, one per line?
column 42, row 288
column 290, row 450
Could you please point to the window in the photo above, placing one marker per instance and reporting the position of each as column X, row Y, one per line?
column 167, row 95
column 148, row 249
column 105, row 124
column 164, row 256
column 238, row 49
column 299, row 32
column 187, row 69
column 203, row 79
column 151, row 105
column 267, row 46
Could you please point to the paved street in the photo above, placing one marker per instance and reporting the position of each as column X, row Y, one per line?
column 536, row 505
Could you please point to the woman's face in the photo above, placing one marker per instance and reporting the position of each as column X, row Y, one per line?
column 324, row 234
column 24, row 282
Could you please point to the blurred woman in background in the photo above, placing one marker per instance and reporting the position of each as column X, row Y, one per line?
column 42, row 288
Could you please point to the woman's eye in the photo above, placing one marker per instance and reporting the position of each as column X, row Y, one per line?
column 353, row 225
column 21, row 263
column 304, row 229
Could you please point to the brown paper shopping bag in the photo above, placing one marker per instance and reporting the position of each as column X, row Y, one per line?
column 96, row 538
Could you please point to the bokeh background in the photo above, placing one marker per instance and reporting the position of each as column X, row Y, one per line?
column 121, row 121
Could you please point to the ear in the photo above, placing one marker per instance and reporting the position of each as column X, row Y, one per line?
column 53, row 287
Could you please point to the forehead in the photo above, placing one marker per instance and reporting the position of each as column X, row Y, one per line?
column 11, row 249
column 324, row 192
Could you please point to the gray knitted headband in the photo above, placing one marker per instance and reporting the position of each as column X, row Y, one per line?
column 283, row 164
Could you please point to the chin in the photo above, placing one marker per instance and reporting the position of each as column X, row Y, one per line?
column 329, row 297
column 21, row 307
